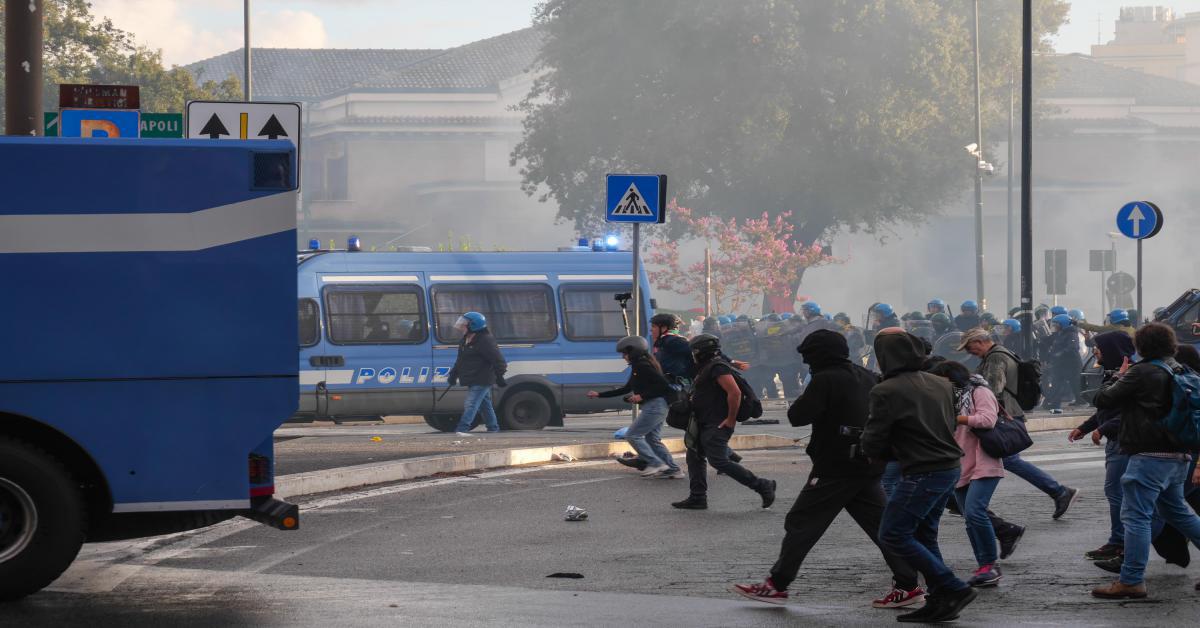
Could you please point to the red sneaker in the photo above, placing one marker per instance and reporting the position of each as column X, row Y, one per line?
column 899, row 598
column 763, row 592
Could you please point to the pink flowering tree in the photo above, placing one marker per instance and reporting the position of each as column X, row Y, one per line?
column 754, row 260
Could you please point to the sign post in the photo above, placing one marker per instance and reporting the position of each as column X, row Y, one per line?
column 1139, row 220
column 232, row 120
column 636, row 199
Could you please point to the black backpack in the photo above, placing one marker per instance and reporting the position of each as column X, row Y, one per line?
column 751, row 406
column 1029, row 382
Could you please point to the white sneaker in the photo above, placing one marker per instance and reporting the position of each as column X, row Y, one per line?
column 461, row 434
column 653, row 471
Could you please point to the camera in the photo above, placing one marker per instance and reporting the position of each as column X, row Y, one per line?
column 622, row 296
column 849, row 431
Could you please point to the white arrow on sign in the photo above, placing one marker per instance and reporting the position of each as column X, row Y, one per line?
column 1136, row 217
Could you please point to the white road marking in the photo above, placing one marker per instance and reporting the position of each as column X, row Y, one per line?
column 593, row 481
column 1065, row 456
column 1092, row 464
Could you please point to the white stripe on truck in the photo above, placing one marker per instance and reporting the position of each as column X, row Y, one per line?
column 132, row 233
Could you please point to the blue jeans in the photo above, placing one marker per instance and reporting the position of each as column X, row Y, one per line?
column 973, row 500
column 479, row 399
column 1115, row 463
column 1035, row 476
column 891, row 477
column 645, row 435
column 1151, row 484
column 910, row 526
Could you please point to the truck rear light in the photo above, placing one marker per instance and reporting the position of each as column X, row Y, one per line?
column 260, row 469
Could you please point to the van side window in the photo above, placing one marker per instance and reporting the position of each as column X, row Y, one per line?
column 516, row 313
column 1188, row 328
column 376, row 315
column 591, row 313
column 310, row 326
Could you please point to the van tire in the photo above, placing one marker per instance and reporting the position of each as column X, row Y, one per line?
column 442, row 422
column 526, row 409
column 36, row 489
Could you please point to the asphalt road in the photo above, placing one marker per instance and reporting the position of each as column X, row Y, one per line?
column 477, row 550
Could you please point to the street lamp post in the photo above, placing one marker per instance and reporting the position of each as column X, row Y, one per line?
column 1011, row 113
column 979, row 292
column 246, row 44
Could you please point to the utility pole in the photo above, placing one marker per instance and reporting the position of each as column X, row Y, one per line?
column 979, row 292
column 246, row 44
column 1027, row 176
column 23, row 68
column 1012, row 91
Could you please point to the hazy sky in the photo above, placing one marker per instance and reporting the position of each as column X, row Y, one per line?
column 189, row 30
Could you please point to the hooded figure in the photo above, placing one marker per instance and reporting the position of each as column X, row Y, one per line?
column 835, row 397
column 913, row 417
column 1114, row 348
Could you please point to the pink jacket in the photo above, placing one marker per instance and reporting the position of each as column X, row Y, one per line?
column 976, row 463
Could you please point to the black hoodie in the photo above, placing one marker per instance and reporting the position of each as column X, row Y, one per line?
column 835, row 397
column 912, row 412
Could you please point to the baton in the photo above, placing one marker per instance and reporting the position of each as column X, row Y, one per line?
column 439, row 399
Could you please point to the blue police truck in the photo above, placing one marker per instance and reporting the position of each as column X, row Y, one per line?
column 377, row 332
column 149, row 341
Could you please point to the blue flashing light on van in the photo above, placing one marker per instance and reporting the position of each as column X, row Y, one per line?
column 377, row 336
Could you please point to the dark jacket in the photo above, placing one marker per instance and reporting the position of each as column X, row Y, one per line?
column 836, row 396
column 967, row 322
column 709, row 401
column 1114, row 347
column 913, row 415
column 1143, row 396
column 1064, row 349
column 479, row 361
column 644, row 380
column 675, row 356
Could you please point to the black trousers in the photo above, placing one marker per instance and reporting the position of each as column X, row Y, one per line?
column 711, row 446
column 818, row 504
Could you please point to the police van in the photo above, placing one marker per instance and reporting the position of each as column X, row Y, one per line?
column 377, row 332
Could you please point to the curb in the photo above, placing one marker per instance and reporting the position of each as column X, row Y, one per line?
column 356, row 476
column 1050, row 424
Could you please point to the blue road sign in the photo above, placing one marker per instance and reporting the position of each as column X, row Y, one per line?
column 99, row 123
column 636, row 198
column 1139, row 220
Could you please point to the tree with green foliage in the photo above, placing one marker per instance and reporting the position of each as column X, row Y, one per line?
column 82, row 48
column 849, row 114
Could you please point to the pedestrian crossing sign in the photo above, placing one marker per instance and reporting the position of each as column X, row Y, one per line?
column 636, row 198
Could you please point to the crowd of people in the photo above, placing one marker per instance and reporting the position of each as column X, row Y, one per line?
column 902, row 434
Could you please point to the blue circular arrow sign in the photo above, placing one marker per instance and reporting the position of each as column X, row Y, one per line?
column 1139, row 220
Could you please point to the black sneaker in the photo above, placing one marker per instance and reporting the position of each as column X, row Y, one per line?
column 952, row 508
column 1008, row 544
column 951, row 604
column 692, row 503
column 1105, row 552
column 768, row 493
column 922, row 615
column 631, row 461
column 1064, row 501
column 1112, row 565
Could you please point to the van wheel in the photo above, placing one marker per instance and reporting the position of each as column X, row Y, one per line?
column 42, row 519
column 526, row 409
column 442, row 422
